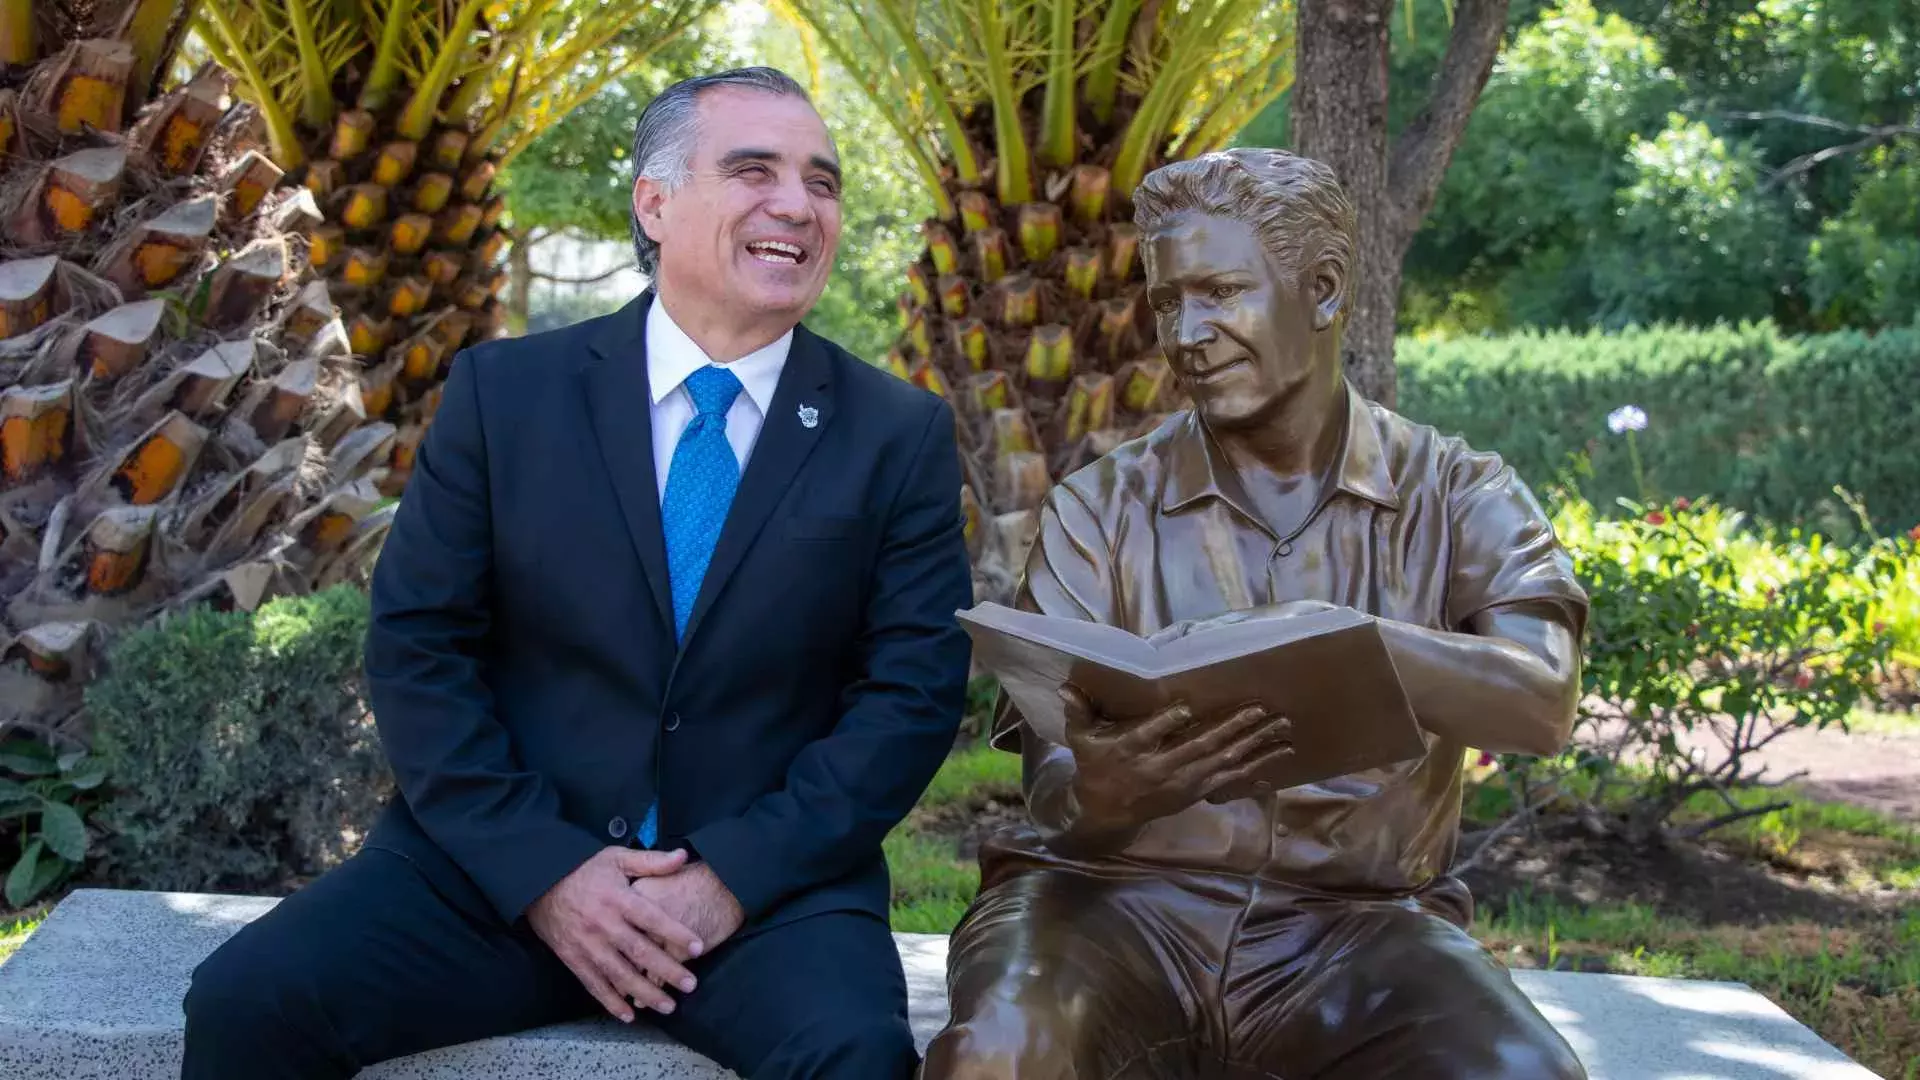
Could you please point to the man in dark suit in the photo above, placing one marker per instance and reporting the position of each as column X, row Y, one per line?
column 663, row 644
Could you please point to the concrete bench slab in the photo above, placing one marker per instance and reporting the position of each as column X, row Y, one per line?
column 95, row 994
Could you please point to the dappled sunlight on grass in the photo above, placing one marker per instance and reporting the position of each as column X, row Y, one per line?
column 977, row 772
column 932, row 882
column 1877, row 722
column 14, row 934
column 1859, row 987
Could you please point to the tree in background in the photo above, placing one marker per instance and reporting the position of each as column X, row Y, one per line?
column 1643, row 161
column 1027, row 125
column 397, row 116
column 1649, row 215
column 178, row 423
column 576, row 180
column 1340, row 115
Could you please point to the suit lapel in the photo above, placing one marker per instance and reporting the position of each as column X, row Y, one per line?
column 621, row 407
column 783, row 447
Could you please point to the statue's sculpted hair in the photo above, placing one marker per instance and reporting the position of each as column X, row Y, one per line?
column 1295, row 204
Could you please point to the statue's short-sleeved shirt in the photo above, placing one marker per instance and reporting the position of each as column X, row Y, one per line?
column 1416, row 527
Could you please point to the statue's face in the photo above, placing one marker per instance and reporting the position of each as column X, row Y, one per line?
column 1236, row 326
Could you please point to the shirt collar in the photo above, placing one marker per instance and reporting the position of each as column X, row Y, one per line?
column 1197, row 468
column 672, row 356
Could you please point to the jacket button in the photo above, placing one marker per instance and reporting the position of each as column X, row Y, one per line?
column 617, row 828
column 673, row 722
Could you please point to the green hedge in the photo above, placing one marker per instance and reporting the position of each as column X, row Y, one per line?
column 1757, row 419
column 239, row 752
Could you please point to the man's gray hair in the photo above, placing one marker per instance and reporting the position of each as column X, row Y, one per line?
column 1294, row 203
column 669, row 127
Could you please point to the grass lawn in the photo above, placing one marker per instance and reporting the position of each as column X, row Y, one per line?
column 14, row 932
column 1877, row 722
column 1827, row 928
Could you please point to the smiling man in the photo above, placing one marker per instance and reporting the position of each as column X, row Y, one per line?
column 663, row 644
column 1137, row 930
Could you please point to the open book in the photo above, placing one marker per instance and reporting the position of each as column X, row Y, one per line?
column 1329, row 673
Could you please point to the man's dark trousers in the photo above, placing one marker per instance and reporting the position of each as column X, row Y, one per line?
column 523, row 668
column 369, row 963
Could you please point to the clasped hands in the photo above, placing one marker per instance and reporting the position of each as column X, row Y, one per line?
column 627, row 921
column 1133, row 771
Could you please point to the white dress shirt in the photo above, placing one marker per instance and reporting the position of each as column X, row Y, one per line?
column 672, row 356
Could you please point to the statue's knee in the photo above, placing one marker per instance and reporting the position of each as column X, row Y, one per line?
column 1002, row 1041
column 1544, row 1056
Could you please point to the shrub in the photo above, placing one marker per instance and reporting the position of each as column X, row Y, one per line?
column 1755, row 419
column 238, row 746
column 1708, row 640
column 48, row 791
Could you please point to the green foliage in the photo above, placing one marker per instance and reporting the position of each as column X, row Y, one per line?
column 1629, row 161
column 1708, row 634
column 1691, row 242
column 1751, row 417
column 879, row 236
column 577, row 177
column 1864, row 267
column 932, row 884
column 46, row 794
column 240, row 751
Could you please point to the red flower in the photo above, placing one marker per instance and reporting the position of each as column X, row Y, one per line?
column 1682, row 503
column 1486, row 759
column 1879, row 627
column 1803, row 680
column 1914, row 533
column 1655, row 517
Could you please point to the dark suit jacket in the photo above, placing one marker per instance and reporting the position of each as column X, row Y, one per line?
column 521, row 658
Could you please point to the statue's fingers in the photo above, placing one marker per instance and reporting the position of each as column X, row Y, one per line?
column 1246, row 725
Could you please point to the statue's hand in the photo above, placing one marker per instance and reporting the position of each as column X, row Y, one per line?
column 1127, row 774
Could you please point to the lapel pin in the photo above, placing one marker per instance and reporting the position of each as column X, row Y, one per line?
column 809, row 416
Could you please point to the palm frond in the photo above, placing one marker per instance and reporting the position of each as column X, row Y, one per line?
column 152, row 28
column 1057, row 110
column 247, row 42
column 573, row 60
column 416, row 119
column 871, row 71
column 390, row 25
column 1213, row 46
column 894, row 64
column 1178, row 75
column 318, row 63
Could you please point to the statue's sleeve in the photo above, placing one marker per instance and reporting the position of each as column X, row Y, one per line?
column 1504, row 550
column 1069, row 574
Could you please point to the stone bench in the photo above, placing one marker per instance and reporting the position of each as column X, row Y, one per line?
column 95, row 994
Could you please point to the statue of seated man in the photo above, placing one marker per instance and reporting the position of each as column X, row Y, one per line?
column 1136, row 930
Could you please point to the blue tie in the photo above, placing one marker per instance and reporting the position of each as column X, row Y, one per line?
column 700, row 487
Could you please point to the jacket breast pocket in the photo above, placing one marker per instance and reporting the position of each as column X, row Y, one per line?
column 819, row 529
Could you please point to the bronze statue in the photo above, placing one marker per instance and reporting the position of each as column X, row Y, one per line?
column 1136, row 929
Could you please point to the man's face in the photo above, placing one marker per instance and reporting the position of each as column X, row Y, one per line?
column 1236, row 326
column 754, row 230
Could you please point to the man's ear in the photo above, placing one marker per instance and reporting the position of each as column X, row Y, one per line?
column 1328, row 281
column 649, row 197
